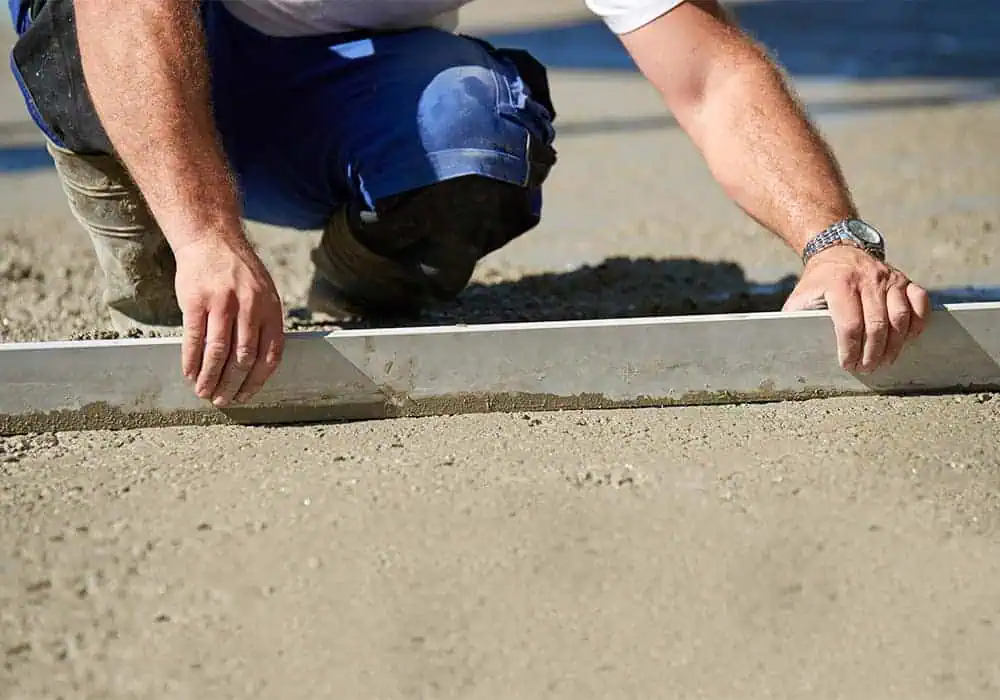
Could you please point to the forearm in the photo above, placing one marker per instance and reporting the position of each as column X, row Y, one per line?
column 764, row 151
column 147, row 72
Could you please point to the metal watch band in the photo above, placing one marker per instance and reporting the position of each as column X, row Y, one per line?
column 834, row 235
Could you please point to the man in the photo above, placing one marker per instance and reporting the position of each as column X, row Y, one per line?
column 416, row 149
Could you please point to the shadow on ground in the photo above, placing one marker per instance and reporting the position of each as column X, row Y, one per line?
column 616, row 288
column 619, row 288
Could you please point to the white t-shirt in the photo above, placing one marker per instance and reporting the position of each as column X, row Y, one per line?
column 310, row 17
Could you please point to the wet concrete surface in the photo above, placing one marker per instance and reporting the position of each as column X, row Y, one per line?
column 835, row 549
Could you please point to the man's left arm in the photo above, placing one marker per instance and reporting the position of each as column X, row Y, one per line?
column 735, row 104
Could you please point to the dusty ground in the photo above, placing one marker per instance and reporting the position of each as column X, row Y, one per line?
column 835, row 550
column 838, row 549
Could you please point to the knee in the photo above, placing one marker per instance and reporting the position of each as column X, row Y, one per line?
column 458, row 108
column 446, row 228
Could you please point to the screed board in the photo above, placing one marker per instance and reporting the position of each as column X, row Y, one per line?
column 370, row 374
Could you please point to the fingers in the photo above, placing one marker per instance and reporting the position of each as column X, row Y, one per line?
column 242, row 357
column 907, row 308
column 920, row 303
column 810, row 300
column 233, row 321
column 849, row 324
column 875, row 309
column 255, row 356
column 272, row 343
column 240, row 354
column 193, row 343
column 218, row 339
column 873, row 323
column 899, row 317
column 876, row 315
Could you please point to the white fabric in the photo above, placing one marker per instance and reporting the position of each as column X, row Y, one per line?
column 310, row 17
column 623, row 16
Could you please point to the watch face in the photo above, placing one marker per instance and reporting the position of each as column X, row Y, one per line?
column 865, row 233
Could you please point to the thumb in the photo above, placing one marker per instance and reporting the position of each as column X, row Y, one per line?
column 806, row 300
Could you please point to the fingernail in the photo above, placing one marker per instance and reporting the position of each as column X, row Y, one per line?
column 242, row 397
column 220, row 402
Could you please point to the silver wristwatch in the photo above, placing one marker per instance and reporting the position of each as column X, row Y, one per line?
column 852, row 231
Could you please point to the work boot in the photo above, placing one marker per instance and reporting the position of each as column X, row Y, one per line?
column 351, row 281
column 137, row 262
column 421, row 247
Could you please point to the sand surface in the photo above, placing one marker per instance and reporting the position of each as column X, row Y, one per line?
column 829, row 549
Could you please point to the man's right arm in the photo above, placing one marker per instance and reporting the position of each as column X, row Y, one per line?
column 146, row 69
column 739, row 109
column 147, row 72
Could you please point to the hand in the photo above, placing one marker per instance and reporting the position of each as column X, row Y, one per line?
column 233, row 320
column 876, row 310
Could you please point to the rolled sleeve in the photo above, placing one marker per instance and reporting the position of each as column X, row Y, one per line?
column 623, row 16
